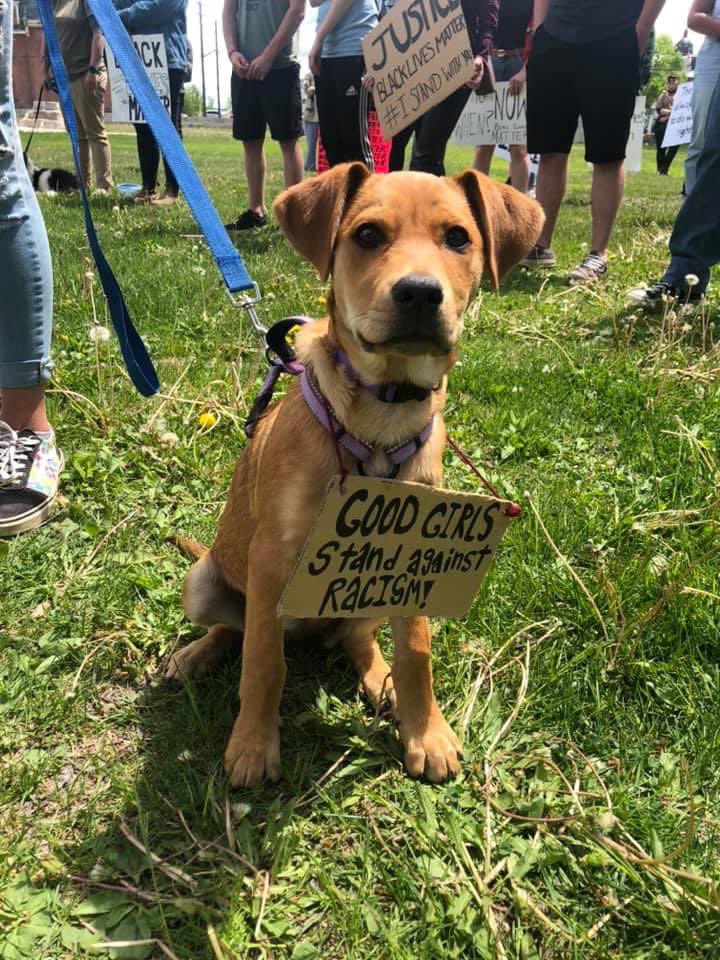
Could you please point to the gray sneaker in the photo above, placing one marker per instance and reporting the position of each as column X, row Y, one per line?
column 594, row 267
column 539, row 258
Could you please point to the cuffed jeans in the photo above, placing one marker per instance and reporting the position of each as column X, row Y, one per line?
column 707, row 71
column 695, row 240
column 25, row 267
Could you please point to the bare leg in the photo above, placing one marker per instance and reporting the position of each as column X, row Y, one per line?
column 24, row 408
column 292, row 162
column 483, row 157
column 431, row 747
column 550, row 191
column 255, row 173
column 608, row 186
column 519, row 167
column 360, row 644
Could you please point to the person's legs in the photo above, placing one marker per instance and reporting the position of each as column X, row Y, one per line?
column 608, row 185
column 292, row 162
column 311, row 133
column 550, row 191
column 90, row 108
column 176, row 78
column 670, row 153
column 519, row 167
column 483, row 157
column 432, row 138
column 329, row 111
column 707, row 71
column 29, row 459
column 149, row 158
column 399, row 143
column 77, row 92
column 255, row 175
column 659, row 134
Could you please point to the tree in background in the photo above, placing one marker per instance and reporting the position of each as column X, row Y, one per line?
column 193, row 101
column 666, row 60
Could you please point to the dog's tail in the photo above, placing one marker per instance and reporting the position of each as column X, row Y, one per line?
column 191, row 548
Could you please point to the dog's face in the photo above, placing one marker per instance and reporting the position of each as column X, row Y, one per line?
column 407, row 251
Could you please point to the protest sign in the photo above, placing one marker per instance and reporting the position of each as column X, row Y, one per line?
column 386, row 548
column 679, row 128
column 151, row 50
column 495, row 118
column 417, row 56
column 633, row 150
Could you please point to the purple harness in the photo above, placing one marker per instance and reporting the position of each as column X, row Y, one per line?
column 319, row 406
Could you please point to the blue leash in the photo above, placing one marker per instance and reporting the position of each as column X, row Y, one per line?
column 137, row 359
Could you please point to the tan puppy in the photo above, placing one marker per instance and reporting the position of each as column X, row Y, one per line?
column 406, row 252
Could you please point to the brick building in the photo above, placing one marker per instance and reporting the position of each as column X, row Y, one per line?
column 27, row 55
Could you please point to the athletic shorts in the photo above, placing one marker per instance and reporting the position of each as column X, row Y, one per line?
column 274, row 102
column 595, row 81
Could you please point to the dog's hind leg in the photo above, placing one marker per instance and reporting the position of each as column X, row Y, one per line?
column 210, row 602
column 359, row 641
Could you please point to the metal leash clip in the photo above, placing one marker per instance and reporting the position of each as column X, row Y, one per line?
column 248, row 301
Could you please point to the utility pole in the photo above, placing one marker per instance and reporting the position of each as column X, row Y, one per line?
column 202, row 59
column 217, row 72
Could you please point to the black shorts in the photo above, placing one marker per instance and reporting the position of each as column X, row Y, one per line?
column 274, row 102
column 595, row 81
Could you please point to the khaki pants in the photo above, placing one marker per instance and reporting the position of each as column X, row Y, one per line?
column 93, row 140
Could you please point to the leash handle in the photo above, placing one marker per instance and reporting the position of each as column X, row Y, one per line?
column 137, row 359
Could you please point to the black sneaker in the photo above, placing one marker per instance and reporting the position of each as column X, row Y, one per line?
column 30, row 467
column 539, row 258
column 247, row 221
column 662, row 292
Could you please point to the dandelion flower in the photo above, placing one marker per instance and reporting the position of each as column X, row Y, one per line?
column 207, row 420
column 99, row 334
column 169, row 439
column 89, row 275
column 692, row 279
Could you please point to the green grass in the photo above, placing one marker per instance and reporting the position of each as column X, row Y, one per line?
column 586, row 822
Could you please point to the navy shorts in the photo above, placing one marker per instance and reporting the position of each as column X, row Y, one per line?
column 274, row 102
column 595, row 81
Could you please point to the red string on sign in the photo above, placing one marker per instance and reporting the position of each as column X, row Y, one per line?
column 513, row 509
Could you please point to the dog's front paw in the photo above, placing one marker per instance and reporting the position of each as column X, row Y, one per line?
column 252, row 755
column 433, row 752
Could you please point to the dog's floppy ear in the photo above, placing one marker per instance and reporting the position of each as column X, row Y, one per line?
column 509, row 222
column 310, row 213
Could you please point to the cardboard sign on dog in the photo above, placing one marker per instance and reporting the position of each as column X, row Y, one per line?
column 382, row 548
column 150, row 48
column 417, row 56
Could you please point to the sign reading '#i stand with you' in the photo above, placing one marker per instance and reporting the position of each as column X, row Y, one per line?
column 384, row 548
column 417, row 56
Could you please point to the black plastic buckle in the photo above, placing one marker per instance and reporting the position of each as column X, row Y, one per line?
column 276, row 339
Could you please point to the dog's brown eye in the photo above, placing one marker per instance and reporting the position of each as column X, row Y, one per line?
column 369, row 236
column 457, row 238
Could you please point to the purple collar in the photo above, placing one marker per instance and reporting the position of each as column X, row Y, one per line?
column 385, row 392
column 326, row 417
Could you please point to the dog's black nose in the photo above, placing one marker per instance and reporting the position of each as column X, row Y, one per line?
column 418, row 294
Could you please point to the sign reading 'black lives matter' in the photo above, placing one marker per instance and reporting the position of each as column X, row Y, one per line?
column 383, row 548
column 417, row 56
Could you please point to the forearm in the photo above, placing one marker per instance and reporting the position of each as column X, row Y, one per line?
column 481, row 17
column 97, row 47
column 229, row 25
column 648, row 16
column 705, row 24
column 541, row 8
column 288, row 28
column 338, row 9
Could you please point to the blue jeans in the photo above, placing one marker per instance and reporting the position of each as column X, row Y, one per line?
column 695, row 240
column 707, row 71
column 25, row 267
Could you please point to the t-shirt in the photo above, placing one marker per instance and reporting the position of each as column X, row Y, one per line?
column 257, row 22
column 585, row 21
column 512, row 26
column 75, row 27
column 345, row 39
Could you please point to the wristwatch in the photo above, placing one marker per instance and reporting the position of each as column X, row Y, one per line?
column 94, row 70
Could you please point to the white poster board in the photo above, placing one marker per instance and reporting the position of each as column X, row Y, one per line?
column 502, row 119
column 150, row 49
column 679, row 128
column 417, row 56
